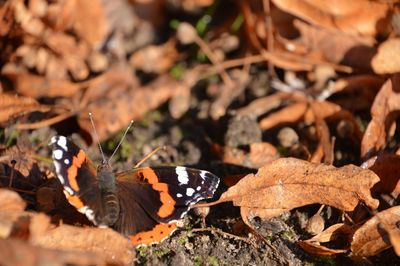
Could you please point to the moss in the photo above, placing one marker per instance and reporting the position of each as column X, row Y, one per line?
column 211, row 260
column 162, row 252
column 198, row 261
column 142, row 251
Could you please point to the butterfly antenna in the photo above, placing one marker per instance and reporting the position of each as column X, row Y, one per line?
column 97, row 137
column 120, row 142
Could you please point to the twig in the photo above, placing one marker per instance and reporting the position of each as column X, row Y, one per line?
column 148, row 156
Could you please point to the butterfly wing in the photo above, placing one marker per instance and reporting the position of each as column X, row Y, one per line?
column 167, row 193
column 161, row 196
column 78, row 176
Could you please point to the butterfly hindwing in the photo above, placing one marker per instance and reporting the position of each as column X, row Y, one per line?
column 168, row 192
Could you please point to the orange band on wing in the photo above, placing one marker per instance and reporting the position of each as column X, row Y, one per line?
column 168, row 203
column 75, row 201
column 77, row 162
column 155, row 235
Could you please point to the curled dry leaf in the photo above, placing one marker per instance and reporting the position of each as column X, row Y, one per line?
column 106, row 243
column 289, row 114
column 334, row 232
column 323, row 135
column 387, row 167
column 289, row 183
column 335, row 46
column 383, row 112
column 372, row 237
column 13, row 106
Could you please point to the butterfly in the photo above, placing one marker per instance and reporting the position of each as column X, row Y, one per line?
column 142, row 203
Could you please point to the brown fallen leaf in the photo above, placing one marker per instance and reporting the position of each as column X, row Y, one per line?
column 18, row 253
column 372, row 237
column 356, row 17
column 105, row 243
column 12, row 106
column 289, row 183
column 38, row 86
column 336, row 46
column 11, row 201
column 387, row 59
column 383, row 112
column 323, row 135
column 288, row 114
column 125, row 102
column 387, row 167
column 155, row 58
column 317, row 249
column 260, row 154
column 335, row 232
column 265, row 104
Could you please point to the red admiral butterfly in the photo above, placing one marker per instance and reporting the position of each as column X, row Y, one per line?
column 143, row 204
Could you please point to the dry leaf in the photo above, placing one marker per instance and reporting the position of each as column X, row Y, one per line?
column 17, row 253
column 333, row 233
column 335, row 46
column 260, row 154
column 288, row 114
column 355, row 17
column 386, row 61
column 289, row 183
column 323, row 135
column 317, row 249
column 372, row 237
column 387, row 167
column 90, row 21
column 106, row 243
column 386, row 103
column 155, row 58
column 114, row 113
column 38, row 86
column 12, row 106
column 11, row 201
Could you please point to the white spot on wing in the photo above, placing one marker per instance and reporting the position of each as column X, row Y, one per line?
column 57, row 166
column 183, row 176
column 198, row 188
column 89, row 214
column 58, row 154
column 66, row 161
column 203, row 174
column 53, row 140
column 68, row 190
column 179, row 195
column 189, row 192
column 62, row 142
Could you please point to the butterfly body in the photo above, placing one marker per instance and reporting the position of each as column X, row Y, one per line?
column 143, row 203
